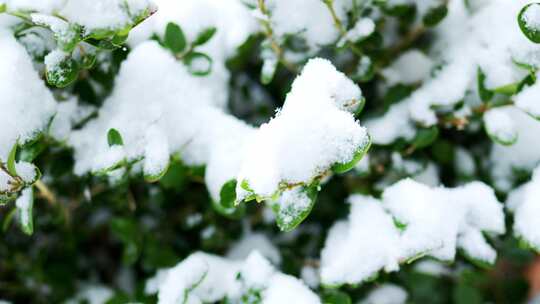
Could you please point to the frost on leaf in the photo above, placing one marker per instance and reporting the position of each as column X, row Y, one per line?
column 208, row 278
column 411, row 220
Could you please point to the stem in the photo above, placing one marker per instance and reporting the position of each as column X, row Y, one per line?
column 269, row 33
column 45, row 192
column 339, row 26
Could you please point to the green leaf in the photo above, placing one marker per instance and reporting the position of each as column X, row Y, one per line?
column 2, row 8
column 227, row 194
column 114, row 138
column 435, row 15
column 358, row 155
column 336, row 297
column 127, row 231
column 199, row 64
column 8, row 219
column 63, row 74
column 175, row 39
column 176, row 176
column 531, row 31
column 485, row 94
column 425, row 137
column 204, row 36
column 152, row 178
column 11, row 160
column 67, row 41
column 292, row 215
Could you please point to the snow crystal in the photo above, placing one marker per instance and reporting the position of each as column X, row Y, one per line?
column 27, row 105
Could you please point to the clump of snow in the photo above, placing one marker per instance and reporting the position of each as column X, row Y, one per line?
column 231, row 18
column 528, row 101
column 308, row 19
column 357, row 249
column 152, row 91
column 24, row 205
column 209, row 278
column 500, row 126
column 254, row 241
column 505, row 160
column 524, row 202
column 410, row 221
column 386, row 294
column 27, row 105
column 409, row 68
column 103, row 14
column 313, row 131
column 394, row 124
column 92, row 294
column 361, row 30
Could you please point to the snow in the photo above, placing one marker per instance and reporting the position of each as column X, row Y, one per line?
column 306, row 18
column 463, row 42
column 287, row 289
column 254, row 241
column 152, row 92
column 500, row 125
column 523, row 201
column 531, row 16
column 103, row 14
column 231, row 18
column 27, row 105
column 409, row 68
column 433, row 221
column 357, row 249
column 361, row 30
column 528, row 100
column 45, row 6
column 208, row 278
column 92, row 294
column 24, row 206
column 394, row 124
column 505, row 160
column 308, row 135
column 386, row 294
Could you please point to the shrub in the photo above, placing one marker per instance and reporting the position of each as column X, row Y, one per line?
column 269, row 151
